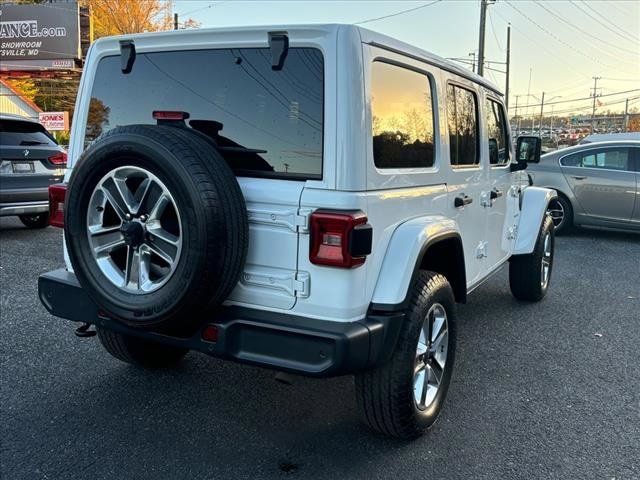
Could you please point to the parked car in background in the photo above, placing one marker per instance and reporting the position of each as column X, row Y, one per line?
column 610, row 137
column 31, row 160
column 598, row 184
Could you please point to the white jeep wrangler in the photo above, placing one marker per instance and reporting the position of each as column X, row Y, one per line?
column 310, row 199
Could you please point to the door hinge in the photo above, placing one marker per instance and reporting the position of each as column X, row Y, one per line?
column 302, row 220
column 295, row 284
column 301, row 284
column 296, row 220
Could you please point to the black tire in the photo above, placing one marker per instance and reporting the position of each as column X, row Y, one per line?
column 525, row 271
column 35, row 221
column 140, row 352
column 215, row 228
column 385, row 394
column 563, row 205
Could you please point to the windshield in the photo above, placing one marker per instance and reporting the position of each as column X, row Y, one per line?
column 14, row 133
column 267, row 122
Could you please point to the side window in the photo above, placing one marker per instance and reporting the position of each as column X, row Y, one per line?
column 496, row 133
column 571, row 160
column 462, row 117
column 610, row 159
column 402, row 117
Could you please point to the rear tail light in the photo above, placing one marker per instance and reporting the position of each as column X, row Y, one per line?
column 57, row 194
column 340, row 239
column 59, row 159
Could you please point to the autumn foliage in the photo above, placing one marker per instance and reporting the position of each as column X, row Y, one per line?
column 116, row 17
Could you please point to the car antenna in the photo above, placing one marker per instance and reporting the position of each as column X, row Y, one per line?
column 127, row 55
column 279, row 46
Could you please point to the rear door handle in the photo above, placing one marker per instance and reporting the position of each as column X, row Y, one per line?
column 495, row 193
column 462, row 200
column 578, row 177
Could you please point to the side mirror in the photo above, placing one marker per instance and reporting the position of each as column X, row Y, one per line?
column 527, row 151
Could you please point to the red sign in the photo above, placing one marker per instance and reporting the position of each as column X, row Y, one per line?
column 54, row 120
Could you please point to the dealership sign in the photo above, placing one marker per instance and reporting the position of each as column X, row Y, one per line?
column 40, row 35
column 54, row 120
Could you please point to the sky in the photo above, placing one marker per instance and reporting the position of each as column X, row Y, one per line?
column 557, row 46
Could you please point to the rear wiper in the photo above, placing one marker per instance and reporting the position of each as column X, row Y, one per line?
column 31, row 142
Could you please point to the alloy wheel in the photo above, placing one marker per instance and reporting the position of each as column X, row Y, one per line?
column 545, row 270
column 134, row 229
column 431, row 357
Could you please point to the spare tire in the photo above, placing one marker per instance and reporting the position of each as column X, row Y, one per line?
column 156, row 226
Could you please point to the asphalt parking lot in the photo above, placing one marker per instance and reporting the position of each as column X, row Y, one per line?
column 549, row 390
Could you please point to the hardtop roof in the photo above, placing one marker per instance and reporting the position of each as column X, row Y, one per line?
column 367, row 36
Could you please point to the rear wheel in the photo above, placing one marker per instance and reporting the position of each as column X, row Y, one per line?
column 139, row 352
column 35, row 221
column 403, row 397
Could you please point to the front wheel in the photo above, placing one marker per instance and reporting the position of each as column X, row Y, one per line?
column 561, row 214
column 403, row 397
column 530, row 274
column 35, row 221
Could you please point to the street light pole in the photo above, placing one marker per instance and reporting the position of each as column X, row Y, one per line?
column 595, row 94
column 626, row 115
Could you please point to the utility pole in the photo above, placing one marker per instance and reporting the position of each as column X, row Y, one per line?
column 626, row 115
column 595, row 95
column 473, row 64
column 483, row 20
column 506, row 93
column 541, row 108
column 175, row 21
column 518, row 118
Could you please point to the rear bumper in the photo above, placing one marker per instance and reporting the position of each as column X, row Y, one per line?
column 23, row 208
column 317, row 348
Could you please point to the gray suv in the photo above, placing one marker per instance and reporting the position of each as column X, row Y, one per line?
column 30, row 161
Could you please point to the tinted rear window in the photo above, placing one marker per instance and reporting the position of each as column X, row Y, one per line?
column 402, row 117
column 269, row 123
column 23, row 134
column 462, row 116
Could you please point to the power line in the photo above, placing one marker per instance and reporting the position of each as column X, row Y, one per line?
column 580, row 109
column 617, row 29
column 615, row 7
column 470, row 62
column 584, row 98
column 563, row 20
column 555, row 37
column 199, row 9
column 552, row 53
column 621, row 79
column 493, row 30
column 397, row 13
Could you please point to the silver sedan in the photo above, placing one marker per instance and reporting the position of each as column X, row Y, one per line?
column 598, row 184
